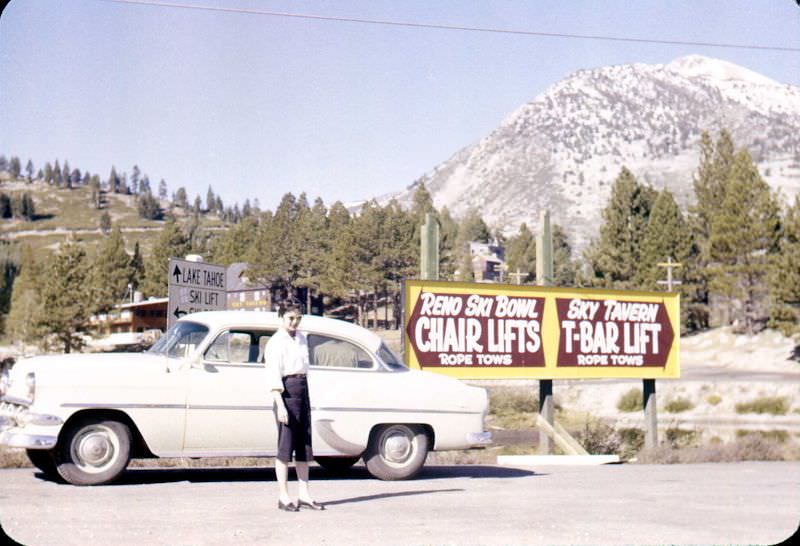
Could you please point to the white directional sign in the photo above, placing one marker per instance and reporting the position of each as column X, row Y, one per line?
column 194, row 286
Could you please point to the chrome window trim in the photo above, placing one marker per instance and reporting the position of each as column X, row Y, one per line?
column 395, row 410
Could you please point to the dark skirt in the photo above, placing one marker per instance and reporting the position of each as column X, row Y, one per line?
column 295, row 437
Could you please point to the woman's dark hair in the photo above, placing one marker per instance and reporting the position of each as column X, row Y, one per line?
column 290, row 305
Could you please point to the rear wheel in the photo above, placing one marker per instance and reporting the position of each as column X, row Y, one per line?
column 93, row 451
column 396, row 452
column 336, row 464
column 43, row 460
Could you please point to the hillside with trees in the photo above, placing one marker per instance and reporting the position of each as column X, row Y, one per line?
column 86, row 240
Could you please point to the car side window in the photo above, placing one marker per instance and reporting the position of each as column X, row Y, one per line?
column 327, row 351
column 238, row 347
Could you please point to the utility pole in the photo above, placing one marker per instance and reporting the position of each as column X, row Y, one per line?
column 669, row 265
column 649, row 385
column 544, row 277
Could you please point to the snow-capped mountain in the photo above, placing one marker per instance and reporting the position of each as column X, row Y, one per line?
column 563, row 150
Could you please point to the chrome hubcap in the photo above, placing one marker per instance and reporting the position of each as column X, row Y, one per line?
column 397, row 446
column 94, row 448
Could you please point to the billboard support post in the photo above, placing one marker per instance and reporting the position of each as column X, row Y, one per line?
column 544, row 277
column 650, row 417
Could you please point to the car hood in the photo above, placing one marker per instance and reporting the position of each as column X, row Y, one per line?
column 80, row 368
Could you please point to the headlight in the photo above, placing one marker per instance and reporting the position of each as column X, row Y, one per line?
column 5, row 382
column 30, row 382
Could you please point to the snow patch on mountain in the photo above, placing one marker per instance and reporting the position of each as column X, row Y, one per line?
column 563, row 150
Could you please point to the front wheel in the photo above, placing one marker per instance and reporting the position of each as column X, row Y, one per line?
column 93, row 451
column 396, row 452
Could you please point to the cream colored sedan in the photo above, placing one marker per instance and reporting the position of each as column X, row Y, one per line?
column 201, row 391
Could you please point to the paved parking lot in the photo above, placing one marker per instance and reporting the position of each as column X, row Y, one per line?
column 751, row 502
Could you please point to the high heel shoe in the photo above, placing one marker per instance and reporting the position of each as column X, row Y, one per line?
column 313, row 505
column 287, row 507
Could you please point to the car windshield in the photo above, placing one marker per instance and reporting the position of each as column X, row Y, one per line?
column 180, row 340
column 390, row 359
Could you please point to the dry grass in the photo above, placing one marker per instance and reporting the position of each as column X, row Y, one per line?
column 751, row 447
column 631, row 401
column 775, row 405
column 678, row 405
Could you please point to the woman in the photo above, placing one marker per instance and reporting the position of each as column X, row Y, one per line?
column 286, row 357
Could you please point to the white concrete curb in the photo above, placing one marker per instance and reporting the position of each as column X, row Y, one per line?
column 546, row 460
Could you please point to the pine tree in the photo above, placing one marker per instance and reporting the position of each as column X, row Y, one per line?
column 105, row 222
column 57, row 179
column 172, row 242
column 616, row 256
column 135, row 176
column 26, row 301
column 136, row 267
column 234, row 243
column 48, row 173
column 210, row 200
column 148, row 206
column 29, row 170
column 667, row 235
column 448, row 241
column 710, row 185
column 9, row 267
column 15, row 167
column 521, row 255
column 110, row 272
column 181, row 199
column 784, row 275
column 743, row 235
column 113, row 181
column 94, row 184
column 162, row 189
column 65, row 174
column 473, row 228
column 66, row 297
column 314, row 247
column 565, row 270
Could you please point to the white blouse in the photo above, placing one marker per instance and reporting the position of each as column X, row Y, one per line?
column 285, row 355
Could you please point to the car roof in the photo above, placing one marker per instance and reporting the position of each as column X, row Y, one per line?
column 217, row 320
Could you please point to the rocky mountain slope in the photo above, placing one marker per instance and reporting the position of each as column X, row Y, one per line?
column 563, row 150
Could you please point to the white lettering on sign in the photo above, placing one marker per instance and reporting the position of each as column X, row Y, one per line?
column 582, row 310
column 630, row 312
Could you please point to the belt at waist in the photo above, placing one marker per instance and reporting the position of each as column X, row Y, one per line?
column 295, row 376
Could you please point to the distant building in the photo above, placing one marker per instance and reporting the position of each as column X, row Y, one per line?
column 488, row 261
column 134, row 317
column 246, row 295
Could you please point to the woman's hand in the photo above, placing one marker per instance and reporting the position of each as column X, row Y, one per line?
column 280, row 411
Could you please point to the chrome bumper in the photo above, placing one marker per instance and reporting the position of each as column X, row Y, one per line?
column 28, row 441
column 13, row 419
column 479, row 439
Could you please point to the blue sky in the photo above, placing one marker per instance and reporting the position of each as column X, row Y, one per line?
column 257, row 106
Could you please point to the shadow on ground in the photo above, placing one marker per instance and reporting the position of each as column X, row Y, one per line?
column 140, row 476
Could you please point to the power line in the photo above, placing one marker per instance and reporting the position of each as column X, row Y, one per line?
column 451, row 27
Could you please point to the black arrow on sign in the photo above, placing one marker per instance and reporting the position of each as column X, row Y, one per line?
column 177, row 274
column 178, row 313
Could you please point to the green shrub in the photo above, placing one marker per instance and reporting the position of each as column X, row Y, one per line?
column 680, row 438
column 631, row 401
column 678, row 405
column 780, row 436
column 775, row 405
column 713, row 399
